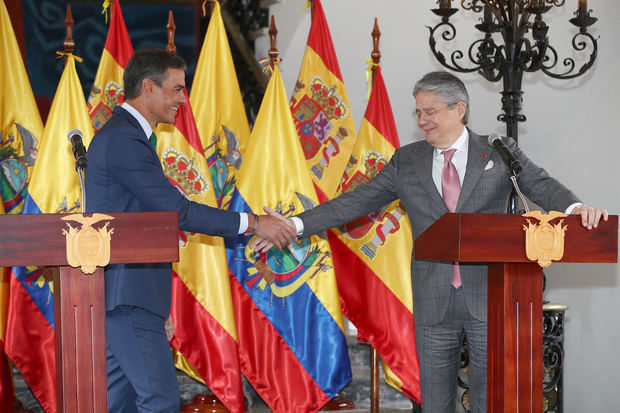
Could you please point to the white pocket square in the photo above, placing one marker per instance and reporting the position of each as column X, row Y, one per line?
column 489, row 165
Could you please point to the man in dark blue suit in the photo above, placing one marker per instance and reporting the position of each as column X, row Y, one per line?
column 124, row 174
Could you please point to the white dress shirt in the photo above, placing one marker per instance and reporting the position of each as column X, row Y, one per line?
column 459, row 159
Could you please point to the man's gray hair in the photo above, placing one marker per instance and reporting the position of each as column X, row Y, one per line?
column 447, row 87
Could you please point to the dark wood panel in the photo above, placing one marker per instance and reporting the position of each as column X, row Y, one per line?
column 79, row 313
column 515, row 364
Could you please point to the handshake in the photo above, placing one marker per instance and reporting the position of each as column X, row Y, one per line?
column 271, row 229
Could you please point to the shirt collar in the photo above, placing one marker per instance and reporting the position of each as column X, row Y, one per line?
column 141, row 120
column 459, row 145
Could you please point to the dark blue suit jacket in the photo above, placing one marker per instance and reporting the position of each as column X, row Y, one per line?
column 124, row 174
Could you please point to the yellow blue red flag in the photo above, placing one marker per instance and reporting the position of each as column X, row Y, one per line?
column 20, row 131
column 107, row 91
column 21, row 128
column 218, row 107
column 205, row 336
column 292, row 344
column 54, row 188
column 372, row 254
column 321, row 110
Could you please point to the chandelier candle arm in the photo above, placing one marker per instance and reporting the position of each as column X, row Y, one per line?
column 520, row 45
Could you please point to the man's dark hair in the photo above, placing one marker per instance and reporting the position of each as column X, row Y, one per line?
column 448, row 88
column 148, row 64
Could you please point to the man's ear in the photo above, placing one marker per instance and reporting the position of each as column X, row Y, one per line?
column 147, row 86
column 461, row 108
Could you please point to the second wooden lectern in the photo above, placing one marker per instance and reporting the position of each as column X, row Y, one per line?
column 514, row 361
column 79, row 302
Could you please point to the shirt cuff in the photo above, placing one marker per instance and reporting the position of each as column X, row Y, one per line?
column 299, row 225
column 243, row 222
column 570, row 208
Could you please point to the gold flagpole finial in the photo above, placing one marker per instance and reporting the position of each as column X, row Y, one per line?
column 375, row 57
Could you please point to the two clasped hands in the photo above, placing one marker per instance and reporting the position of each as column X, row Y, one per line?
column 272, row 230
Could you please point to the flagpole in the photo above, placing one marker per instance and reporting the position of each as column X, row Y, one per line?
column 374, row 356
column 69, row 47
column 273, row 38
column 68, row 44
column 170, row 30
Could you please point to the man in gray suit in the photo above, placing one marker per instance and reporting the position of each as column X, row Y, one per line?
column 453, row 170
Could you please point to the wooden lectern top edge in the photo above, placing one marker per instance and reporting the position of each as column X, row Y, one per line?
column 501, row 238
column 38, row 239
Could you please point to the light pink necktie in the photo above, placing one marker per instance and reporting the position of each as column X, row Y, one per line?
column 451, row 189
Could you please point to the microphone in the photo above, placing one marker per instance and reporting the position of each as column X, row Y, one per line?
column 514, row 167
column 79, row 151
column 511, row 161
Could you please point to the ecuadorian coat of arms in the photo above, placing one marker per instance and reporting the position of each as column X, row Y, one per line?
column 284, row 271
column 544, row 242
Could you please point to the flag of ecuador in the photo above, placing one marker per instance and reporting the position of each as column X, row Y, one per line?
column 321, row 111
column 372, row 254
column 205, row 337
column 21, row 128
column 292, row 345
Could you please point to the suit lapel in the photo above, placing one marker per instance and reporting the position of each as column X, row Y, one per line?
column 128, row 117
column 475, row 166
column 423, row 165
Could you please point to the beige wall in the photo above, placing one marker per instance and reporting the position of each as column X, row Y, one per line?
column 570, row 130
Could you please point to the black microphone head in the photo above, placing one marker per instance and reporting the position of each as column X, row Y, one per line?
column 74, row 132
column 493, row 137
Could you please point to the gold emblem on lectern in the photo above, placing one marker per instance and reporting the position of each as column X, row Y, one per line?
column 544, row 242
column 87, row 247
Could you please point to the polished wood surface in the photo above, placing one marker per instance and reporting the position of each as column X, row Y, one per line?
column 501, row 238
column 514, row 361
column 79, row 299
column 79, row 316
column 37, row 239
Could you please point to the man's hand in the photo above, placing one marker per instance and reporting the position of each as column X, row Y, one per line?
column 590, row 216
column 169, row 327
column 273, row 229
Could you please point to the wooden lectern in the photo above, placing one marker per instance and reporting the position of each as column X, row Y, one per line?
column 515, row 359
column 79, row 301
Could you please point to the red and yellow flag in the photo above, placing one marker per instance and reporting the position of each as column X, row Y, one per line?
column 372, row 254
column 107, row 91
column 321, row 110
column 205, row 336
column 218, row 108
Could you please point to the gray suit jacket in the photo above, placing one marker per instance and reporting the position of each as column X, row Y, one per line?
column 408, row 177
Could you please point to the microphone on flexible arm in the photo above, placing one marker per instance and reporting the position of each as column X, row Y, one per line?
column 514, row 167
column 513, row 164
column 77, row 147
column 79, row 153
